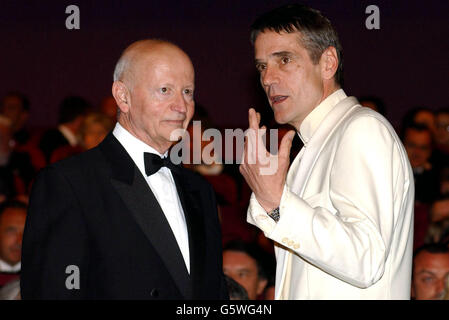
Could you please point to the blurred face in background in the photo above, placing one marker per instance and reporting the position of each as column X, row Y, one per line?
column 12, row 223
column 94, row 129
column 5, row 141
column 243, row 268
column 430, row 272
column 418, row 145
column 13, row 109
column 442, row 129
column 426, row 118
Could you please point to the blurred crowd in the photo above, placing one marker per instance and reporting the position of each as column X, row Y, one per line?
column 248, row 256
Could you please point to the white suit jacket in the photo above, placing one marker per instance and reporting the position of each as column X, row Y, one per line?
column 346, row 213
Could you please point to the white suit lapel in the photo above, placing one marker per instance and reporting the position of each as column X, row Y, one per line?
column 299, row 174
column 318, row 141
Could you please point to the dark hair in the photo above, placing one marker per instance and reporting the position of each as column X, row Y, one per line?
column 235, row 290
column 432, row 248
column 251, row 250
column 317, row 32
column 420, row 127
column 410, row 115
column 24, row 100
column 72, row 107
column 12, row 204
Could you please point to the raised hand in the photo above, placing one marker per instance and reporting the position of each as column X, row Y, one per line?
column 265, row 173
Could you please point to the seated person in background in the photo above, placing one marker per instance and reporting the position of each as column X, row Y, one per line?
column 442, row 130
column 16, row 169
column 93, row 130
column 438, row 230
column 72, row 112
column 12, row 223
column 430, row 271
column 243, row 263
column 418, row 143
column 440, row 156
column 16, row 107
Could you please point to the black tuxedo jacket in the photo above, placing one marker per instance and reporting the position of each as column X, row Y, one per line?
column 95, row 211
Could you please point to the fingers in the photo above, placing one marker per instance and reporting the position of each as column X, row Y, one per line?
column 286, row 144
column 254, row 119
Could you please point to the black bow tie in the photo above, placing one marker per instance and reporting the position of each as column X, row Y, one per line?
column 153, row 163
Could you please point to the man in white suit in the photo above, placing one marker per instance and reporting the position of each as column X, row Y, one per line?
column 341, row 216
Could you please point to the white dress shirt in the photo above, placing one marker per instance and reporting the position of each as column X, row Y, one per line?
column 68, row 134
column 162, row 185
column 5, row 267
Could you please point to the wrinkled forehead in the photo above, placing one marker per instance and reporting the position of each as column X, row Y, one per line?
column 269, row 43
column 163, row 62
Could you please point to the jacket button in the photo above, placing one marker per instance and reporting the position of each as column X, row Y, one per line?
column 285, row 240
column 296, row 246
column 154, row 293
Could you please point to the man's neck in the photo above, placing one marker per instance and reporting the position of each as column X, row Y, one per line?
column 162, row 149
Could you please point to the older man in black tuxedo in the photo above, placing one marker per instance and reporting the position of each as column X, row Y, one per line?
column 121, row 221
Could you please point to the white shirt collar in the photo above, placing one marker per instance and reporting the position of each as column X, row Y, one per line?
column 314, row 118
column 69, row 135
column 5, row 267
column 134, row 146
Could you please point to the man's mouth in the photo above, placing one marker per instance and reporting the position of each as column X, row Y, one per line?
column 175, row 122
column 277, row 99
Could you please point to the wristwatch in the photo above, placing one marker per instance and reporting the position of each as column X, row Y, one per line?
column 274, row 214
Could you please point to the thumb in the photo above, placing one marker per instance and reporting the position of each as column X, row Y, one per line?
column 286, row 144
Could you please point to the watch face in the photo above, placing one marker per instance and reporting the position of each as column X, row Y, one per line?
column 274, row 214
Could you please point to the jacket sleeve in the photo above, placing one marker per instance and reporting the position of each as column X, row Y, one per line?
column 349, row 239
column 55, row 245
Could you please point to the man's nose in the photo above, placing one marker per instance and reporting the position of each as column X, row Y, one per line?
column 180, row 104
column 269, row 76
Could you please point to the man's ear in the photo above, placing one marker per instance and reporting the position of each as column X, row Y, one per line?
column 121, row 95
column 329, row 63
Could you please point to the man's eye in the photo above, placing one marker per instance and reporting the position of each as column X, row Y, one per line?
column 260, row 67
column 285, row 60
column 428, row 279
column 164, row 90
column 188, row 92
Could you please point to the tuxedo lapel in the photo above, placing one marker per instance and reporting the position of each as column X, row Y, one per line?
column 146, row 211
column 189, row 195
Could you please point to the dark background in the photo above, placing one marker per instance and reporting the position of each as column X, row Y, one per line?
column 405, row 62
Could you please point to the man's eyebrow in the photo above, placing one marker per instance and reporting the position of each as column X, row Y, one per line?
column 425, row 271
column 282, row 54
column 276, row 54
